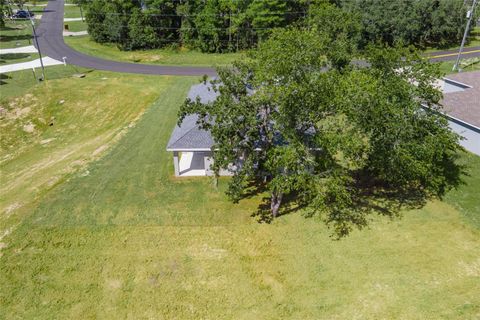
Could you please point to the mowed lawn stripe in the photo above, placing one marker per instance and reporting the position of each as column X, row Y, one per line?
column 134, row 183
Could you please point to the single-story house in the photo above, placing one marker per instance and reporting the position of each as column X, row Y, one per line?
column 191, row 146
column 461, row 106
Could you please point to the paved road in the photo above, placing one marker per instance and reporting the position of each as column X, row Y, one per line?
column 450, row 55
column 51, row 42
column 50, row 38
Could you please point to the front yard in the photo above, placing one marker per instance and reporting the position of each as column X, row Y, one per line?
column 119, row 237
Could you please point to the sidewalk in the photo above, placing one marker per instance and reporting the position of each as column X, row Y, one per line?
column 71, row 33
column 47, row 61
column 72, row 19
column 27, row 49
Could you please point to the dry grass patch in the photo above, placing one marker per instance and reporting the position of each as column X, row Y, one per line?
column 56, row 129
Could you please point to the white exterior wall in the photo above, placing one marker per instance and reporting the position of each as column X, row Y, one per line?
column 197, row 163
column 471, row 135
column 209, row 163
column 208, row 160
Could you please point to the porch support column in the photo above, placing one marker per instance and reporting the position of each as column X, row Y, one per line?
column 176, row 164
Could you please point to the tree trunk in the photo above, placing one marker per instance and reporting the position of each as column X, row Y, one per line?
column 275, row 203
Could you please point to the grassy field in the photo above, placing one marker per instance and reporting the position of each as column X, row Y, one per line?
column 465, row 199
column 121, row 238
column 465, row 65
column 182, row 57
column 72, row 12
column 75, row 26
column 52, row 129
column 14, row 84
column 16, row 34
column 9, row 58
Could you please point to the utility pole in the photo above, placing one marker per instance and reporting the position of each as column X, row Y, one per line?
column 38, row 46
column 470, row 15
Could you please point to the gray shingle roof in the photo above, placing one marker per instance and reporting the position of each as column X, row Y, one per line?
column 465, row 104
column 188, row 136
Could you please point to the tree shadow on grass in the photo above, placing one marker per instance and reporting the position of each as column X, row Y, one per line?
column 5, row 28
column 372, row 197
column 290, row 204
column 13, row 56
column 368, row 196
column 4, row 77
column 10, row 38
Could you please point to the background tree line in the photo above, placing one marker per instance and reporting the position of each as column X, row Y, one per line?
column 207, row 25
column 230, row 25
column 438, row 23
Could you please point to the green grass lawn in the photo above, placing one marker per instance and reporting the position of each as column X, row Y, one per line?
column 181, row 57
column 9, row 58
column 465, row 65
column 465, row 199
column 76, row 26
column 51, row 129
column 72, row 12
column 16, row 34
column 120, row 237
column 17, row 83
column 37, row 9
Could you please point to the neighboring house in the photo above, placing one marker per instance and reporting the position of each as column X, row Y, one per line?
column 461, row 106
column 191, row 146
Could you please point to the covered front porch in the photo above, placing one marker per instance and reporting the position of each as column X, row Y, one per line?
column 192, row 163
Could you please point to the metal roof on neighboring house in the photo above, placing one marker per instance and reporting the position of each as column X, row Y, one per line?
column 464, row 104
column 188, row 136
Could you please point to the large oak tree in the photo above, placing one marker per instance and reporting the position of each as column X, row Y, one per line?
column 341, row 140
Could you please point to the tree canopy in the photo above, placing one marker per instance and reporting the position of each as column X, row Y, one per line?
column 230, row 25
column 339, row 140
column 422, row 23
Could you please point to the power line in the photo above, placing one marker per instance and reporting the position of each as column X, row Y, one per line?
column 196, row 15
column 191, row 28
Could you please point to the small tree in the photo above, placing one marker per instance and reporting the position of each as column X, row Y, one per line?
column 339, row 140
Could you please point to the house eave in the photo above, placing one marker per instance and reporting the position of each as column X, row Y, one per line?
column 188, row 149
column 454, row 119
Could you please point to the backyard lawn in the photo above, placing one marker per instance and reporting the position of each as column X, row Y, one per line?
column 95, row 226
column 181, row 57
